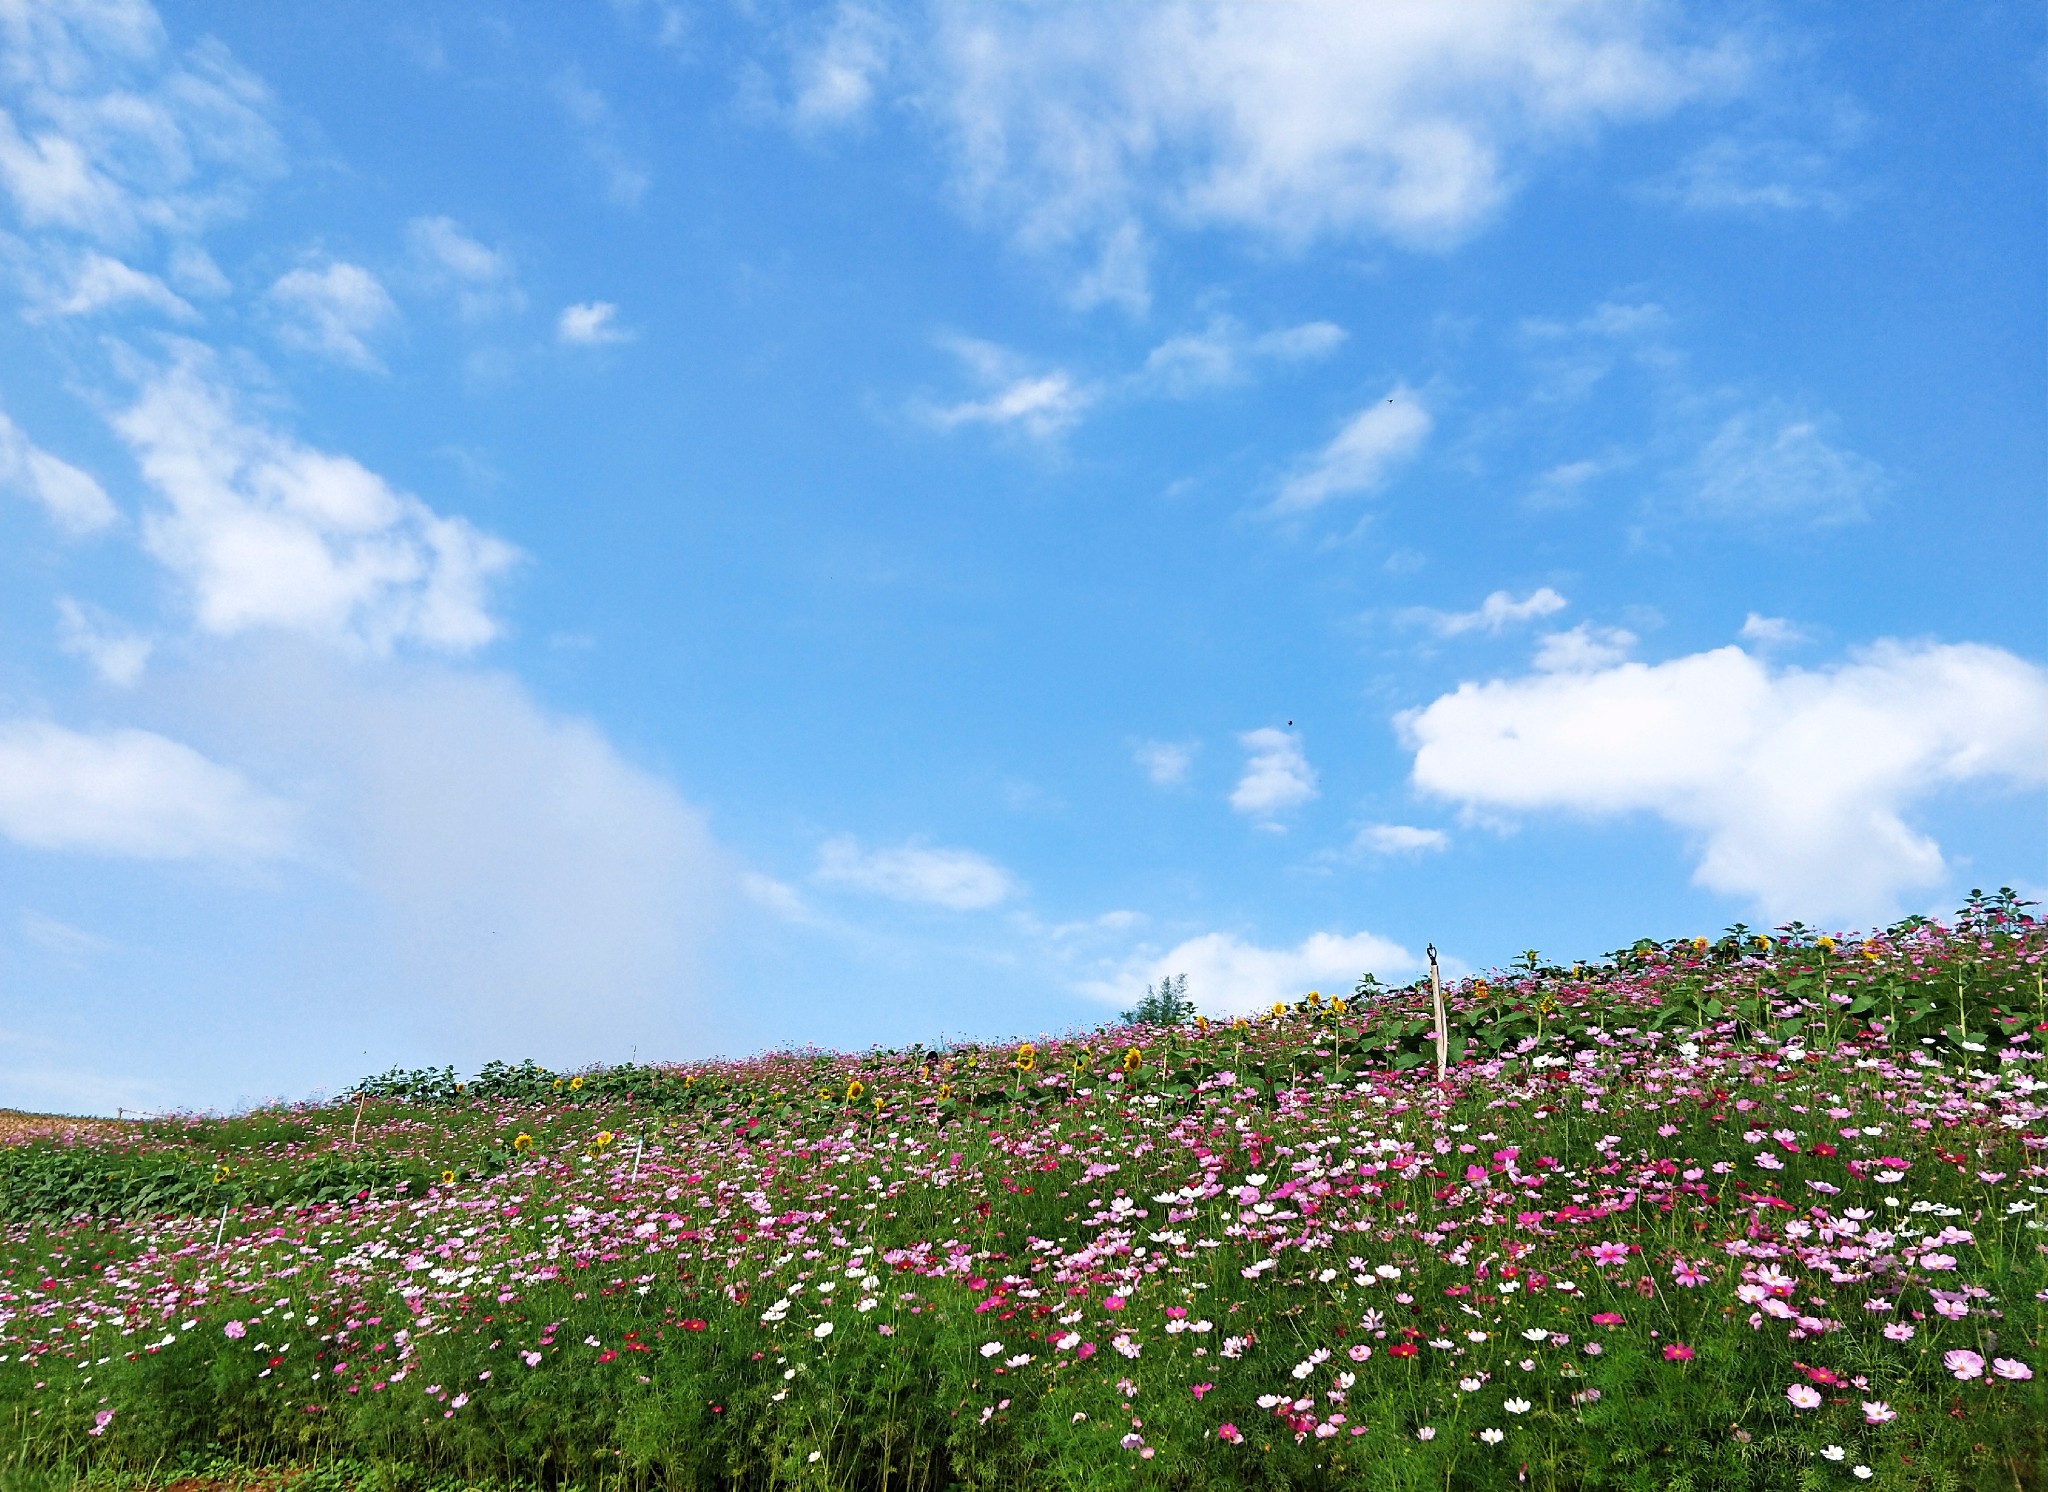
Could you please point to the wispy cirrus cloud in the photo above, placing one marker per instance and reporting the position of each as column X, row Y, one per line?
column 1362, row 455
column 916, row 872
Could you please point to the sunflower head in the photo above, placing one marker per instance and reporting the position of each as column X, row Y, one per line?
column 1025, row 1062
column 945, row 1091
column 1315, row 997
column 1336, row 1007
column 1201, row 1023
column 854, row 1089
column 220, row 1174
column 1827, row 944
column 447, row 1178
column 576, row 1082
column 522, row 1143
column 1133, row 1060
column 604, row 1138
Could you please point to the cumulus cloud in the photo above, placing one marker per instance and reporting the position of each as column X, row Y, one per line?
column 131, row 794
column 1794, row 785
column 333, row 311
column 1770, row 631
column 73, row 500
column 1277, row 776
column 1764, row 467
column 1497, row 612
column 1228, row 976
column 1399, row 839
column 1410, row 120
column 959, row 880
column 1165, row 763
column 1372, row 442
column 590, row 324
column 1583, row 647
column 267, row 533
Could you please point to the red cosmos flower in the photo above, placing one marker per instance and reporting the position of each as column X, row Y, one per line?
column 607, row 1355
column 693, row 1324
column 1401, row 1349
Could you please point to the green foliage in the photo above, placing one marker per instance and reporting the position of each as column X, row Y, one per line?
column 1163, row 1004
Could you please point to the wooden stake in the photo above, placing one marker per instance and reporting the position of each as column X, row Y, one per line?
column 361, row 1099
column 217, row 1232
column 1436, row 1000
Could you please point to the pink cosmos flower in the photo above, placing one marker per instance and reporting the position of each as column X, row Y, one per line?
column 1230, row 1433
column 2011, row 1369
column 1877, row 1412
column 1359, row 1352
column 100, row 1422
column 1607, row 1318
column 1687, row 1274
column 1963, row 1363
column 1677, row 1352
column 1198, row 1389
column 234, row 1331
column 1803, row 1397
column 1609, row 1253
column 1899, row 1331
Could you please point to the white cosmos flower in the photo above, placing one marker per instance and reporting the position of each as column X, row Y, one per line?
column 1516, row 1406
column 1492, row 1436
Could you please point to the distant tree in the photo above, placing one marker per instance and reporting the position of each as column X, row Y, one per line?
column 1165, row 1004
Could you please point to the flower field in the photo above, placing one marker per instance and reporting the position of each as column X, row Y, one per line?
column 1750, row 1213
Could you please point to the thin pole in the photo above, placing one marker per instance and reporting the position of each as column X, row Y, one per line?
column 361, row 1099
column 217, row 1232
column 639, row 1144
column 1436, row 1000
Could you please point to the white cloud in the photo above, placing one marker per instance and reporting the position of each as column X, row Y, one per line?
column 117, row 654
column 1377, row 438
column 103, row 132
column 1043, row 405
column 94, row 281
column 626, row 179
column 914, row 872
column 1165, row 763
column 1770, row 631
column 1407, row 119
column 129, row 793
column 1584, row 647
column 497, row 869
column 1765, row 467
column 481, row 279
column 1399, row 839
column 74, row 501
column 1228, row 976
column 1497, row 612
column 590, row 324
column 265, row 532
column 1277, row 776
column 1218, row 355
column 1794, row 784
column 333, row 311
column 777, row 896
column 1768, row 175
column 835, row 78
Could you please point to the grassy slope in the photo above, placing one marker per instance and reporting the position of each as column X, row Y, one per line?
column 1659, row 1205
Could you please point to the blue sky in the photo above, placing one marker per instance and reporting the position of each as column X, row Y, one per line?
column 666, row 529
